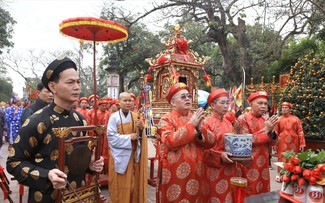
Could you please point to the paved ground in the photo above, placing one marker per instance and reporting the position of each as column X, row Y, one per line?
column 151, row 190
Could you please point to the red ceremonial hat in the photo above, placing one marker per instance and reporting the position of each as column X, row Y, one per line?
column 115, row 101
column 174, row 89
column 83, row 99
column 288, row 104
column 132, row 95
column 102, row 101
column 217, row 94
column 256, row 95
column 108, row 99
column 92, row 96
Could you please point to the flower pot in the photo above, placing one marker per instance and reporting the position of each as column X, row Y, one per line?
column 288, row 190
column 300, row 192
column 239, row 145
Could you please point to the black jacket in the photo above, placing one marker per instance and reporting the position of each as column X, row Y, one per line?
column 35, row 106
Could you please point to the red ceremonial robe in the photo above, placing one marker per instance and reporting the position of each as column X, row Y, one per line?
column 181, row 170
column 218, row 173
column 290, row 136
column 83, row 112
column 256, row 171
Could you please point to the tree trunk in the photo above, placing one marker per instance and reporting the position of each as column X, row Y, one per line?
column 228, row 66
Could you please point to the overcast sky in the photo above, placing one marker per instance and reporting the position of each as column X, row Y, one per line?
column 38, row 22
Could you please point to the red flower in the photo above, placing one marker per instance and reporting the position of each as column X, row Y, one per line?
column 296, row 169
column 321, row 167
column 294, row 160
column 306, row 174
column 306, row 167
column 294, row 177
column 285, row 178
column 301, row 181
column 289, row 167
column 312, row 180
column 316, row 174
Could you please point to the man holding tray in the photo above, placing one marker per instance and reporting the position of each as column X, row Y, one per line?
column 216, row 159
column 257, row 171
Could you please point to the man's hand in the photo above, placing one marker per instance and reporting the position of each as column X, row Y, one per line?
column 57, row 178
column 197, row 118
column 134, row 136
column 225, row 157
column 97, row 165
column 270, row 123
column 139, row 123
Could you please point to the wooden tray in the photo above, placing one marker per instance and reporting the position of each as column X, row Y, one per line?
column 289, row 197
column 241, row 158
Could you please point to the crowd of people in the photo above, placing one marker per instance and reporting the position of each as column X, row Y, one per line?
column 192, row 163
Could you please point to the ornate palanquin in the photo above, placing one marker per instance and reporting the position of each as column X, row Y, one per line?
column 176, row 64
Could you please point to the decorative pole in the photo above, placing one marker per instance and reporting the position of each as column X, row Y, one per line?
column 244, row 85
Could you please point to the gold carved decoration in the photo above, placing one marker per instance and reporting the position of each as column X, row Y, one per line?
column 62, row 132
column 100, row 129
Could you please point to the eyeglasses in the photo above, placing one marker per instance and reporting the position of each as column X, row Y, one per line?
column 184, row 96
column 222, row 102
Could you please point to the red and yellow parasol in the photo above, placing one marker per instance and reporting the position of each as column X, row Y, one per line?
column 95, row 30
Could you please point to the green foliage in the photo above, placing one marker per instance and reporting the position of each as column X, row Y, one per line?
column 127, row 58
column 305, row 91
column 6, row 89
column 290, row 54
column 6, row 29
column 308, row 159
column 264, row 42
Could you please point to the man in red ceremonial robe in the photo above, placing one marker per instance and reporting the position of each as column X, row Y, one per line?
column 91, row 100
column 290, row 134
column 91, row 112
column 135, row 102
column 180, row 147
column 102, row 119
column 83, row 101
column 101, row 112
column 257, row 171
column 114, row 106
column 219, row 167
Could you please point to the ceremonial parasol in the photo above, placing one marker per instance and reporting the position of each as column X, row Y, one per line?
column 95, row 30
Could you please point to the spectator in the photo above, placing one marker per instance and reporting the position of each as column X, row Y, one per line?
column 43, row 99
column 13, row 119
